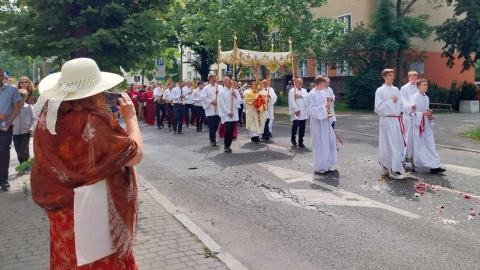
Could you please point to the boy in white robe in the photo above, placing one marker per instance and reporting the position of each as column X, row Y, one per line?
column 424, row 155
column 407, row 91
column 228, row 111
column 389, row 104
column 323, row 137
column 298, row 110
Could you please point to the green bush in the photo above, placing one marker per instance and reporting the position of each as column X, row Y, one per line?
column 360, row 89
column 282, row 101
column 468, row 91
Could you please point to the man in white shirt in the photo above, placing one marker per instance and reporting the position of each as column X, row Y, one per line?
column 323, row 137
column 240, row 104
column 198, row 111
column 297, row 108
column 270, row 114
column 389, row 103
column 178, row 97
column 188, row 103
column 209, row 103
column 329, row 93
column 167, row 96
column 228, row 111
column 159, row 108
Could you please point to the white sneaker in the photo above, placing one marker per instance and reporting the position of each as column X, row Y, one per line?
column 385, row 171
column 397, row 175
column 320, row 172
column 331, row 169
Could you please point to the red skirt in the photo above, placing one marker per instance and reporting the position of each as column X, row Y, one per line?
column 62, row 246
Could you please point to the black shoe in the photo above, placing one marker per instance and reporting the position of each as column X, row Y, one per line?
column 159, row 127
column 227, row 150
column 5, row 185
column 437, row 170
column 180, row 132
column 294, row 143
column 213, row 143
column 255, row 139
column 301, row 145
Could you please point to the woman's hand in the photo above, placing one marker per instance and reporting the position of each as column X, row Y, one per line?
column 126, row 108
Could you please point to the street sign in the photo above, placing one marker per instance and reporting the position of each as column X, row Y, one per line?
column 160, row 63
column 136, row 78
column 6, row 73
column 160, row 79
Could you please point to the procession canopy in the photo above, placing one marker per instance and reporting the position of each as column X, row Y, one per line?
column 252, row 58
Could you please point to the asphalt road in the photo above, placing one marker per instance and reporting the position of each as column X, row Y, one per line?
column 263, row 204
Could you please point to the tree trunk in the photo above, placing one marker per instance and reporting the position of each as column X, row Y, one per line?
column 398, row 78
column 258, row 34
column 78, row 31
column 204, row 65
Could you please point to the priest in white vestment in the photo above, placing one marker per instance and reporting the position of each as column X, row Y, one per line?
column 424, row 152
column 389, row 103
column 321, row 131
column 255, row 112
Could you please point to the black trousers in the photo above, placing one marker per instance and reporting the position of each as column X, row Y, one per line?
column 189, row 114
column 169, row 114
column 240, row 114
column 5, row 142
column 21, row 143
column 199, row 115
column 229, row 127
column 213, row 123
column 296, row 125
column 160, row 113
column 178, row 111
column 266, row 130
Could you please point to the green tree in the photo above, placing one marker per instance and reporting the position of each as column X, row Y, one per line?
column 115, row 33
column 20, row 66
column 461, row 33
column 257, row 24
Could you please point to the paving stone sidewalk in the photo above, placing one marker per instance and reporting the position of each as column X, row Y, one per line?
column 162, row 241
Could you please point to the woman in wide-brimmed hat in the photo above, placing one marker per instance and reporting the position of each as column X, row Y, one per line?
column 82, row 174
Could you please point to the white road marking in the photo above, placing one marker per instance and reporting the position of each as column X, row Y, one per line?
column 331, row 195
column 463, row 170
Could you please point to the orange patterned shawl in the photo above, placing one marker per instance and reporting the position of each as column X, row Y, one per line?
column 89, row 146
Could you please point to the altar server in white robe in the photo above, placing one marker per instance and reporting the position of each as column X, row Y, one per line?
column 228, row 110
column 424, row 155
column 407, row 91
column 329, row 92
column 269, row 92
column 389, row 103
column 321, row 131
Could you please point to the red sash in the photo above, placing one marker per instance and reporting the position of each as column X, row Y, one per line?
column 402, row 127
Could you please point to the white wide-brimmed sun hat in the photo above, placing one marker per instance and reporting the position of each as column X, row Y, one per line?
column 79, row 78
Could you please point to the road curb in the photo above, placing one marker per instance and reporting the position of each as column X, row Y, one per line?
column 223, row 256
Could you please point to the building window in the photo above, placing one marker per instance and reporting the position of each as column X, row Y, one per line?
column 189, row 75
column 343, row 69
column 321, row 68
column 418, row 67
column 189, row 56
column 347, row 21
column 302, row 68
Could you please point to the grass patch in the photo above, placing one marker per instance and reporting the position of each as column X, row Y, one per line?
column 473, row 134
column 342, row 107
